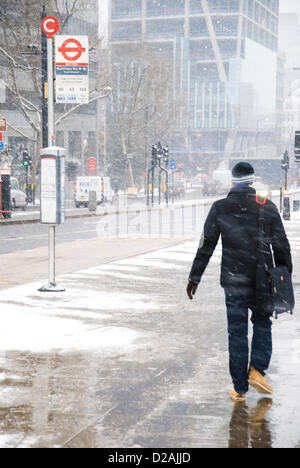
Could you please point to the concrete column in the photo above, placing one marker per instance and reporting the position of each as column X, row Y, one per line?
column 187, row 19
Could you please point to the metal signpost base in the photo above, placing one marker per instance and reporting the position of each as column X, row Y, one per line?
column 51, row 286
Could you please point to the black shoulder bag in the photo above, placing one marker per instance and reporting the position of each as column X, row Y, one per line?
column 274, row 287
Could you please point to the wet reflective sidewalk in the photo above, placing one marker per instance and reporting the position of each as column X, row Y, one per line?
column 123, row 359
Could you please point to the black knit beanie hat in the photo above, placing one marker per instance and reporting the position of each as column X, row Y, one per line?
column 243, row 173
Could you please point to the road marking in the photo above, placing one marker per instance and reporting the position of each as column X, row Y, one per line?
column 37, row 236
column 11, row 238
column 76, row 232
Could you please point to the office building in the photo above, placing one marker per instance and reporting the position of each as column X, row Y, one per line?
column 225, row 61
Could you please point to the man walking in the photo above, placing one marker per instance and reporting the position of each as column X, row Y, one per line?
column 236, row 219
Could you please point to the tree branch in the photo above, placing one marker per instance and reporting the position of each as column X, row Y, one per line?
column 14, row 63
column 20, row 133
column 73, row 109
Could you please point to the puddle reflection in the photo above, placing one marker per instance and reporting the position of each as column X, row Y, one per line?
column 45, row 398
column 65, row 400
column 249, row 428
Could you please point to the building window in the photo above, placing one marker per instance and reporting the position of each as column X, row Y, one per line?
column 263, row 17
column 60, row 139
column 195, row 7
column 228, row 48
column 250, row 27
column 226, row 26
column 126, row 9
column 165, row 7
column 207, row 72
column 92, row 145
column 223, row 6
column 198, row 27
column 129, row 31
column 251, row 9
column 74, row 145
column 202, row 50
column 257, row 13
column 244, row 27
column 268, row 20
column 160, row 29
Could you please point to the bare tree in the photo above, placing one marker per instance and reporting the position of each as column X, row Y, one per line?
column 20, row 71
column 142, row 109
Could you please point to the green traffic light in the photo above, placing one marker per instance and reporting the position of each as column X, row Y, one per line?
column 25, row 163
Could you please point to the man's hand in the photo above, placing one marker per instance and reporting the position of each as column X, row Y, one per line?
column 191, row 289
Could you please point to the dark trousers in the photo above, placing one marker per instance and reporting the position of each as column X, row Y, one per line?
column 238, row 302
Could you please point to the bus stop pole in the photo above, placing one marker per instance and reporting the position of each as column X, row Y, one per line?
column 51, row 239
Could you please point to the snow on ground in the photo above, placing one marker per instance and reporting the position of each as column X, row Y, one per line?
column 29, row 328
column 79, row 318
column 75, row 319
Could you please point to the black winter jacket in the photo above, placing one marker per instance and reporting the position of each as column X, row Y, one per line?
column 235, row 218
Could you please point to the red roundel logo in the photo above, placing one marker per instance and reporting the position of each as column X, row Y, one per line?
column 50, row 26
column 71, row 49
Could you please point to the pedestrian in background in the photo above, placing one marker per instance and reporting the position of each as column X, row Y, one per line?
column 236, row 219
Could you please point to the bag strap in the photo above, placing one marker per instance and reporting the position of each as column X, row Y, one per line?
column 261, row 230
column 261, row 235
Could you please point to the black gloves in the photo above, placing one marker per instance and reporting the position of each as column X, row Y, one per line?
column 191, row 289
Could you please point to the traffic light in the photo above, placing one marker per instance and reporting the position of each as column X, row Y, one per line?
column 166, row 154
column 26, row 159
column 154, row 155
column 297, row 146
column 285, row 162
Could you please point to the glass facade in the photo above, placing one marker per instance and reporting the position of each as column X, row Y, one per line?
column 198, row 27
column 202, row 50
column 226, row 26
column 121, row 9
column 223, row 6
column 195, row 7
column 161, row 29
column 259, row 20
column 167, row 22
column 165, row 7
column 127, row 31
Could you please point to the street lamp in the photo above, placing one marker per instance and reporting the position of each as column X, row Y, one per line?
column 285, row 165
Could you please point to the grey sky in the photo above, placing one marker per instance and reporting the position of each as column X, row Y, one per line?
column 287, row 6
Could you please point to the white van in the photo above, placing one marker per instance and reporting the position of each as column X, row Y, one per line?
column 83, row 185
column 18, row 198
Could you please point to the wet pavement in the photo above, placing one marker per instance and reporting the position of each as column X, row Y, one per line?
column 123, row 359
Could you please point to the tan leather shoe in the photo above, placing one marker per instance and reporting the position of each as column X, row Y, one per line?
column 257, row 380
column 235, row 396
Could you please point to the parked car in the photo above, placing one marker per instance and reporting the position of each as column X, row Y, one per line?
column 211, row 188
column 177, row 189
column 18, row 198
